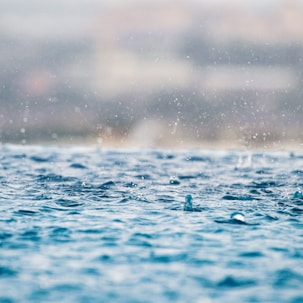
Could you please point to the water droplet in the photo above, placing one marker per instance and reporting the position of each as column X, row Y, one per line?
column 298, row 194
column 174, row 181
column 188, row 205
column 237, row 216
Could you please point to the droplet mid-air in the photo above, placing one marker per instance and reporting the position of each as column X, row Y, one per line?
column 188, row 205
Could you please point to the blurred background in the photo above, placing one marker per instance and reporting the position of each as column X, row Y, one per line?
column 176, row 74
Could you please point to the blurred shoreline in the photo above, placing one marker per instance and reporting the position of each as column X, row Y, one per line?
column 172, row 144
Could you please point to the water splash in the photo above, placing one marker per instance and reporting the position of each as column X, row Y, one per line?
column 188, row 205
column 245, row 162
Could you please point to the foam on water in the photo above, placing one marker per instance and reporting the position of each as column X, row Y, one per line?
column 91, row 225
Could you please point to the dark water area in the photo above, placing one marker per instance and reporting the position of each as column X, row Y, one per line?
column 90, row 225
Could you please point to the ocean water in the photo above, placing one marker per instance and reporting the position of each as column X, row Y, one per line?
column 90, row 225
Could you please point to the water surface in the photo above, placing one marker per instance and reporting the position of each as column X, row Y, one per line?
column 91, row 225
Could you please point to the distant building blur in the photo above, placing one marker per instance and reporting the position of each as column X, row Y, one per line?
column 138, row 48
column 147, row 47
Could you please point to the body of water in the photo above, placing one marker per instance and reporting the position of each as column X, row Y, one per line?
column 90, row 225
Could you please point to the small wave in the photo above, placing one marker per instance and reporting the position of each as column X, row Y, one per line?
column 251, row 254
column 26, row 212
column 68, row 203
column 265, row 184
column 78, row 166
column 198, row 159
column 41, row 159
column 54, row 178
column 168, row 257
column 232, row 282
column 287, row 277
column 6, row 272
column 240, row 198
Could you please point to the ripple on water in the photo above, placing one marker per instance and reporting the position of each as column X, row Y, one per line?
column 232, row 282
column 25, row 212
column 251, row 254
column 78, row 166
column 68, row 203
column 51, row 177
column 239, row 198
column 6, row 272
column 287, row 278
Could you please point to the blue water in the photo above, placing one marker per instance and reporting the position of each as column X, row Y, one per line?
column 91, row 225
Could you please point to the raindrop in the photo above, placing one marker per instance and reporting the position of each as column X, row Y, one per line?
column 238, row 217
column 298, row 194
column 188, row 205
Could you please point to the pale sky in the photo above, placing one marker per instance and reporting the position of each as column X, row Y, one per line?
column 91, row 6
column 77, row 17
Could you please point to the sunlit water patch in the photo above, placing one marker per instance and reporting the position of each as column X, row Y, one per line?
column 91, row 225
